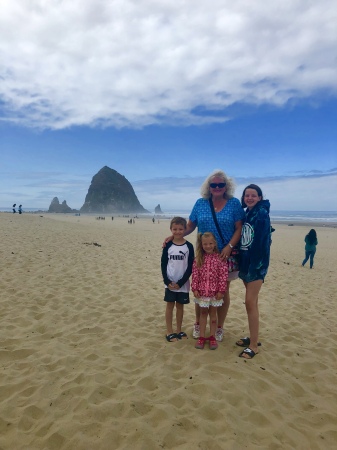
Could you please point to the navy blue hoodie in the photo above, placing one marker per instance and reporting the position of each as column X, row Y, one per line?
column 255, row 243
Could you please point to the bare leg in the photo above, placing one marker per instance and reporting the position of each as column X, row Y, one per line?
column 203, row 321
column 197, row 312
column 179, row 315
column 252, row 296
column 196, row 326
column 169, row 318
column 223, row 309
column 212, row 320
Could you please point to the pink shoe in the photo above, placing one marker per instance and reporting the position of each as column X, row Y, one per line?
column 200, row 343
column 213, row 345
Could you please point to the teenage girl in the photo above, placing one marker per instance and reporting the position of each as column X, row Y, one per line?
column 254, row 260
column 209, row 284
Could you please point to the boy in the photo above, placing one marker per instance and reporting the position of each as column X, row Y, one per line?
column 176, row 266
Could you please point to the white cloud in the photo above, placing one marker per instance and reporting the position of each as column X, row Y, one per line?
column 134, row 63
column 301, row 193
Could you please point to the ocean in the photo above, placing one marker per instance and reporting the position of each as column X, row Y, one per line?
column 283, row 216
column 304, row 216
column 276, row 215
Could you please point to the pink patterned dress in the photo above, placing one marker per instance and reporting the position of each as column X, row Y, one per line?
column 209, row 279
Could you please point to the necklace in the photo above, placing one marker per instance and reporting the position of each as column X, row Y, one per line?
column 216, row 208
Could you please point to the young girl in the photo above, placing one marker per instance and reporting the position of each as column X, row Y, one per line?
column 209, row 284
column 310, row 247
column 254, row 260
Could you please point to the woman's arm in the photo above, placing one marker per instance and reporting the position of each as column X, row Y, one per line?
column 235, row 239
column 191, row 226
column 237, row 233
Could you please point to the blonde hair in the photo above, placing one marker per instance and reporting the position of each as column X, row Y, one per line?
column 200, row 253
column 230, row 185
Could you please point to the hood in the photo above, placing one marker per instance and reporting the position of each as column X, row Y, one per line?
column 263, row 204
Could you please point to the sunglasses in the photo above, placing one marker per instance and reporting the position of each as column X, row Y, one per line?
column 219, row 185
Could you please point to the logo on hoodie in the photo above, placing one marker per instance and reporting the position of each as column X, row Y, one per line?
column 247, row 236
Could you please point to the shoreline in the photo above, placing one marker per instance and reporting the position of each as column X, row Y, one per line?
column 166, row 217
column 310, row 224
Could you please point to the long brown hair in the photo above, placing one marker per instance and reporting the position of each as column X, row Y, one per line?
column 312, row 237
column 199, row 254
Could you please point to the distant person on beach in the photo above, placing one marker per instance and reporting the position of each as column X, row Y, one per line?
column 176, row 266
column 209, row 284
column 14, row 210
column 310, row 247
column 254, row 261
column 20, row 209
column 222, row 214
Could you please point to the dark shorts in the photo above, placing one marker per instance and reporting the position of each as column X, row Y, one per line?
column 180, row 297
column 248, row 278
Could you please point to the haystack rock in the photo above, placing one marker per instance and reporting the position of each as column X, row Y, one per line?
column 158, row 210
column 56, row 207
column 111, row 192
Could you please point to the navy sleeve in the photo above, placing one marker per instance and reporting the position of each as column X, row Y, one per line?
column 260, row 249
column 164, row 262
column 188, row 271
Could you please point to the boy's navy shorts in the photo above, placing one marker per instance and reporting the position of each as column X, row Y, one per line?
column 179, row 297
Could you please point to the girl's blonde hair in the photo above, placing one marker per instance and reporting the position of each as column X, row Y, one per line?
column 230, row 185
column 199, row 254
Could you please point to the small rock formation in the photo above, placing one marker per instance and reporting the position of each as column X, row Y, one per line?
column 158, row 210
column 56, row 207
column 110, row 192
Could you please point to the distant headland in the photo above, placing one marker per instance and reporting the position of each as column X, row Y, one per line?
column 109, row 193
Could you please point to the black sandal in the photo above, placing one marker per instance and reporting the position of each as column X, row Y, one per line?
column 181, row 335
column 245, row 342
column 248, row 351
column 171, row 336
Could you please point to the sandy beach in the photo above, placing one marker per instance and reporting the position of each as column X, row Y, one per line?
column 85, row 364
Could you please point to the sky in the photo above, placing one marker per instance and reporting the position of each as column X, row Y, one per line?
column 164, row 93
